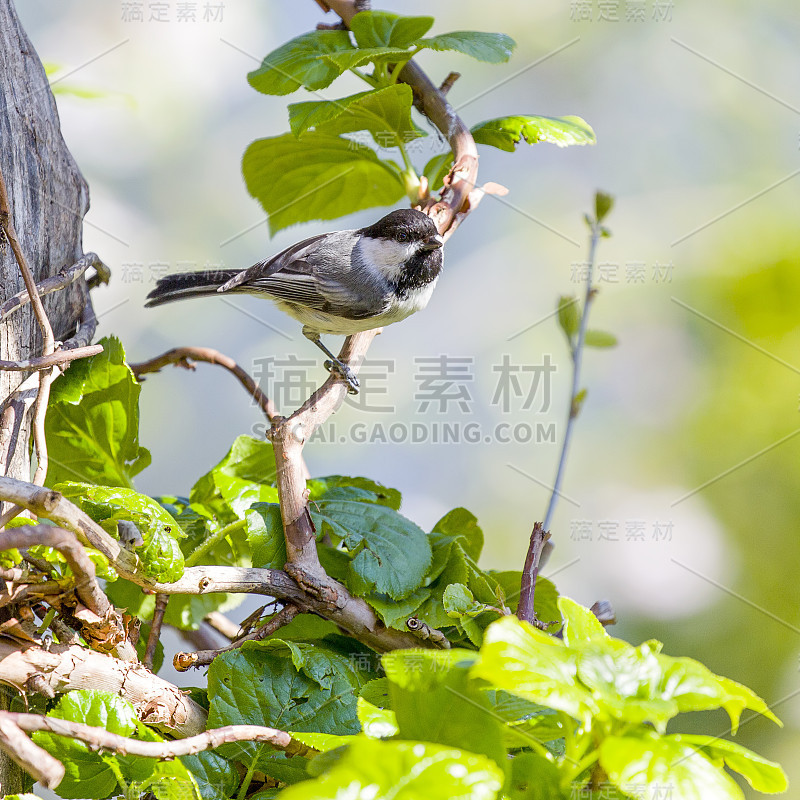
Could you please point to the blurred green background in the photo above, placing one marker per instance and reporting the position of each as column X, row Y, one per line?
column 681, row 496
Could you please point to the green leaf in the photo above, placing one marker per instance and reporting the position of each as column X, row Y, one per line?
column 243, row 477
column 390, row 553
column 505, row 133
column 382, row 29
column 383, row 495
column 292, row 686
column 494, row 48
column 385, row 113
column 763, row 775
column 458, row 601
column 738, row 698
column 317, row 177
column 265, row 535
column 377, row 723
column 355, row 58
column 88, row 774
column 569, row 316
column 655, row 764
column 580, row 624
column 533, row 777
column 529, row 663
column 463, row 524
column 600, row 339
column 436, row 170
column 603, row 203
column 435, row 700
column 379, row 770
column 215, row 776
column 160, row 554
column 92, row 423
column 300, row 62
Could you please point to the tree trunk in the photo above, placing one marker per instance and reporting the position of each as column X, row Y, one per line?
column 49, row 198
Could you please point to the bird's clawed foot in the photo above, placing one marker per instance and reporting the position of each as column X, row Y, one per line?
column 344, row 372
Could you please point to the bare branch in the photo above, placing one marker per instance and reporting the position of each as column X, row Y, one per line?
column 64, row 278
column 202, row 658
column 447, row 83
column 86, row 328
column 222, row 625
column 57, row 358
column 530, row 572
column 35, row 760
column 155, row 629
column 63, row 668
column 101, row 739
column 104, row 629
column 184, row 356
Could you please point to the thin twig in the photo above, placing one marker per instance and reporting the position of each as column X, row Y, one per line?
column 155, row 629
column 35, row 760
column 447, row 83
column 202, row 658
column 65, row 277
column 101, row 739
column 184, row 356
column 58, row 358
column 48, row 340
column 525, row 609
column 9, row 514
column 104, row 629
column 577, row 356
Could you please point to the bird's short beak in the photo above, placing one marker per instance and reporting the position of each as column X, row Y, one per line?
column 433, row 242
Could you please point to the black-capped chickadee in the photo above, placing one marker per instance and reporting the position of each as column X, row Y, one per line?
column 338, row 283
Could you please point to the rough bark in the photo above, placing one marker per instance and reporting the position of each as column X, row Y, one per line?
column 49, row 198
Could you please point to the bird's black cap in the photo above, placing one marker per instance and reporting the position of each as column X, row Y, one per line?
column 413, row 224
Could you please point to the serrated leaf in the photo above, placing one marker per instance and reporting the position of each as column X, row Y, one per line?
column 385, row 113
column 379, row 770
column 529, row 663
column 215, row 776
column 88, row 774
column 580, row 624
column 161, row 555
column 299, row 62
column 463, row 524
column 599, row 339
column 318, row 177
column 652, row 763
column 384, row 495
column 390, row 553
column 458, row 601
column 435, row 700
column 494, row 48
column 569, row 316
column 763, row 775
column 383, row 29
column 292, row 686
column 505, row 133
column 92, row 423
column 243, row 477
column 355, row 58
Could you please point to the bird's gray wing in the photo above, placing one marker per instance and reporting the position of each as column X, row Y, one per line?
column 298, row 275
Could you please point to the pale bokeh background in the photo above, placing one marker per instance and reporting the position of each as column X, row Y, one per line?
column 696, row 110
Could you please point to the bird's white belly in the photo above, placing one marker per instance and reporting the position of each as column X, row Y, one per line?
column 340, row 326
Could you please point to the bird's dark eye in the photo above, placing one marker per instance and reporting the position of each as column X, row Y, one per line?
column 402, row 237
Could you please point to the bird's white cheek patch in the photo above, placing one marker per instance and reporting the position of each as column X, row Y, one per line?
column 387, row 255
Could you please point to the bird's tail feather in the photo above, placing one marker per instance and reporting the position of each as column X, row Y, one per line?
column 188, row 284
